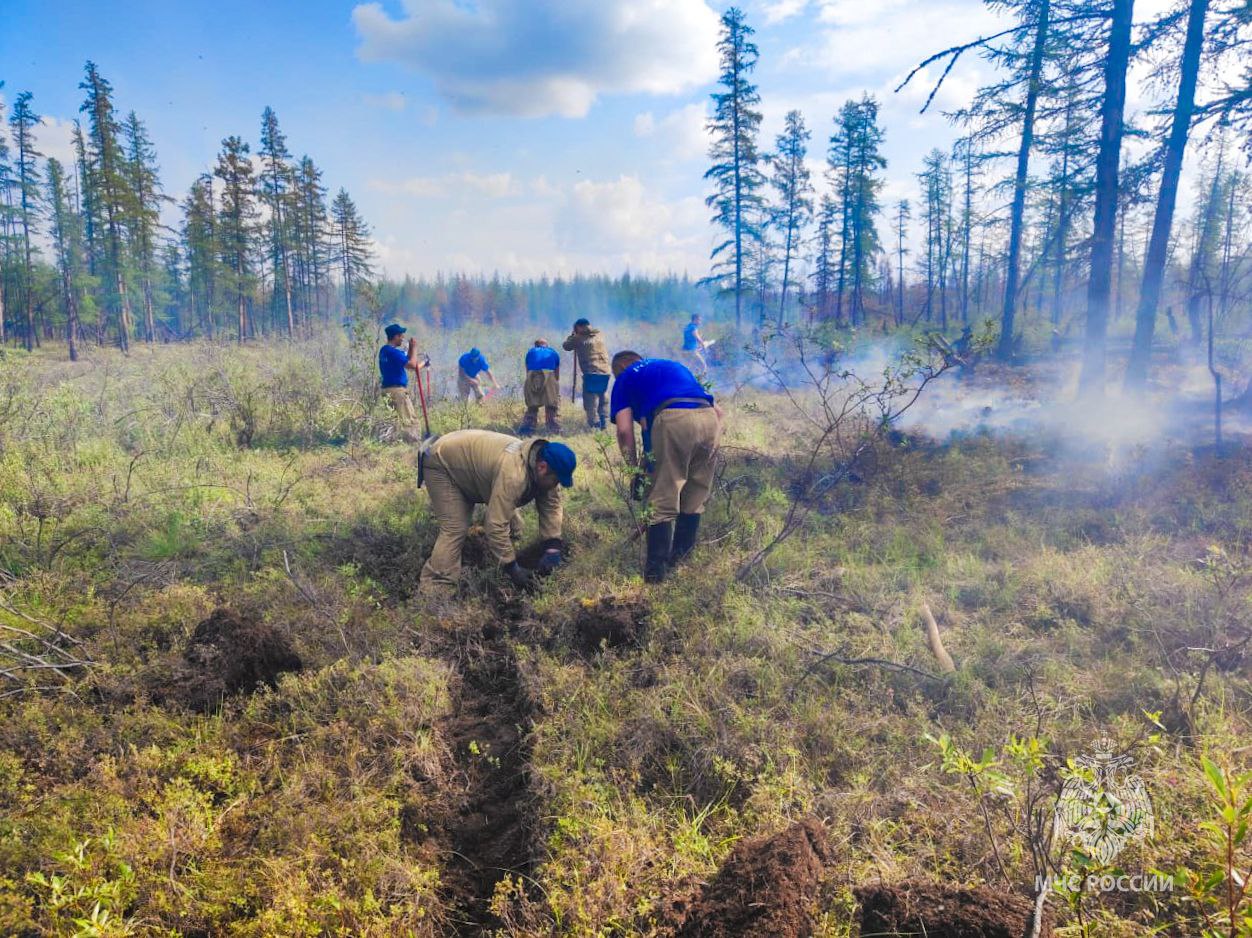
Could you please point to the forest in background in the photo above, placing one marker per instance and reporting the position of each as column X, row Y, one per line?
column 1057, row 214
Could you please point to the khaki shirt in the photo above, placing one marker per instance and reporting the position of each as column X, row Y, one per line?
column 593, row 356
column 497, row 470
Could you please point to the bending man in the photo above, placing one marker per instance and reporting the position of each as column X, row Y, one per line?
column 680, row 426
column 469, row 367
column 472, row 467
column 587, row 344
column 542, row 388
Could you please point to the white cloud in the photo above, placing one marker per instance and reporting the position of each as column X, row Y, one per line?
column 779, row 11
column 56, row 139
column 388, row 101
column 546, row 57
column 681, row 133
column 450, row 185
column 621, row 216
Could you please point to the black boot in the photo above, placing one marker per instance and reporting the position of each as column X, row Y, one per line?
column 685, row 531
column 660, row 538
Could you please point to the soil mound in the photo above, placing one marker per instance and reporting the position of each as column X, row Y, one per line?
column 611, row 621
column 939, row 911
column 765, row 889
column 229, row 652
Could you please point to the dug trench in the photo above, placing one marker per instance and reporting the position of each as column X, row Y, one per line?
column 487, row 831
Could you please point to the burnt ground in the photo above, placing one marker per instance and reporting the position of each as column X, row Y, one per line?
column 230, row 652
column 940, row 911
column 766, row 888
column 610, row 622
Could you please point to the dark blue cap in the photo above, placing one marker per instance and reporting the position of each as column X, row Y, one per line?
column 394, row 330
column 561, row 460
column 581, row 322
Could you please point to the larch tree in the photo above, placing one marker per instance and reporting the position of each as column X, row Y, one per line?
column 22, row 124
column 354, row 254
column 904, row 214
column 6, row 202
column 237, row 227
column 793, row 208
column 824, row 258
column 144, row 215
column 275, row 184
column 65, row 233
column 1167, row 196
column 202, row 254
column 736, row 172
column 1104, row 226
column 110, row 188
column 312, row 250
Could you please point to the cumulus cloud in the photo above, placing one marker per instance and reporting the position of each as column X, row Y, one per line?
column 388, row 101
column 681, row 133
column 450, row 185
column 545, row 57
column 620, row 216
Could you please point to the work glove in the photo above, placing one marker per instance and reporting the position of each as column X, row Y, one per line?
column 518, row 575
column 548, row 563
column 639, row 486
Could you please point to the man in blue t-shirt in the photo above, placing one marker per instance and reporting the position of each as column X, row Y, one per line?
column 469, row 367
column 394, row 365
column 694, row 344
column 542, row 388
column 681, row 426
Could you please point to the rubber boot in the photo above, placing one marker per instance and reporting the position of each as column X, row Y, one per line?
column 685, row 531
column 660, row 539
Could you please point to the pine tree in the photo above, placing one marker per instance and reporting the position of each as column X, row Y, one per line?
column 735, row 172
column 6, row 214
column 937, row 197
column 794, row 206
column 353, row 252
column 109, row 186
column 22, row 124
column 853, row 163
column 312, row 250
column 275, row 185
column 237, row 228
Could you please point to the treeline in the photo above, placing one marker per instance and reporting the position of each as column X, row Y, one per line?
column 450, row 301
column 85, row 255
column 1042, row 208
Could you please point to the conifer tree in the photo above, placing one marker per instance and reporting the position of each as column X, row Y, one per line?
column 824, row 259
column 735, row 172
column 22, row 124
column 202, row 254
column 275, row 185
column 794, row 206
column 237, row 228
column 145, row 213
column 353, row 251
column 65, row 232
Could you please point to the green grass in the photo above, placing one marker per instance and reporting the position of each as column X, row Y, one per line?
column 138, row 494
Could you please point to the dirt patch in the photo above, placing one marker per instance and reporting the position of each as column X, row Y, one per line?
column 610, row 621
column 488, row 830
column 229, row 652
column 766, row 889
column 939, row 911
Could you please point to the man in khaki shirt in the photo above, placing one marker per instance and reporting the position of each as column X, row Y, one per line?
column 587, row 344
column 472, row 467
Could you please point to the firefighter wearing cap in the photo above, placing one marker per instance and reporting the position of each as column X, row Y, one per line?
column 681, row 427
column 587, row 344
column 471, row 467
column 394, row 365
column 469, row 366
column 542, row 388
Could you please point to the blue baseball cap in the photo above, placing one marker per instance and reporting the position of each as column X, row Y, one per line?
column 561, row 460
column 394, row 330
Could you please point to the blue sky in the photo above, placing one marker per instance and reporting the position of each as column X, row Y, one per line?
column 525, row 136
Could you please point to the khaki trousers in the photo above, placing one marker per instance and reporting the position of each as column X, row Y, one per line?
column 406, row 417
column 684, row 444
column 454, row 511
column 465, row 387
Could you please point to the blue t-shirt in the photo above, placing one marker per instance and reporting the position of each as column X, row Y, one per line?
column 391, row 362
column 473, row 364
column 689, row 337
column 647, row 384
column 542, row 358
